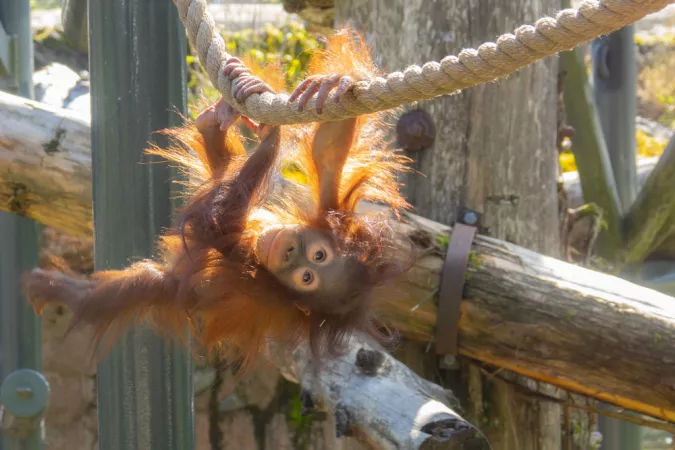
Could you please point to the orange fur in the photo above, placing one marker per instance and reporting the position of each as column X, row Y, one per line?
column 370, row 173
column 205, row 277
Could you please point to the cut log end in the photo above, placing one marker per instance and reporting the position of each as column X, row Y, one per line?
column 453, row 434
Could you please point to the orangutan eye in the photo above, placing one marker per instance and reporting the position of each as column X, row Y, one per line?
column 319, row 252
column 319, row 256
column 287, row 255
column 307, row 277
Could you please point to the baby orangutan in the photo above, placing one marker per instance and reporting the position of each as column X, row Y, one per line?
column 252, row 257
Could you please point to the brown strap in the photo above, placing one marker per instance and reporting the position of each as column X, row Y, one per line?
column 452, row 286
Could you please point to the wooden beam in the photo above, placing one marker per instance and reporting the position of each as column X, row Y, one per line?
column 581, row 330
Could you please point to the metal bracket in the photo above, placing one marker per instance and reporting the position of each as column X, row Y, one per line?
column 452, row 282
column 23, row 400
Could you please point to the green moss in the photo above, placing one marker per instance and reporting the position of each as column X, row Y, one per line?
column 301, row 423
column 474, row 260
column 443, row 241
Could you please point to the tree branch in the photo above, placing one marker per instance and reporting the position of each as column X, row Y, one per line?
column 590, row 153
column 651, row 219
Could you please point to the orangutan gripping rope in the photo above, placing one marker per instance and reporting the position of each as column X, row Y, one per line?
column 247, row 259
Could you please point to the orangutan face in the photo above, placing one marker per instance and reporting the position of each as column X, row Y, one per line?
column 302, row 258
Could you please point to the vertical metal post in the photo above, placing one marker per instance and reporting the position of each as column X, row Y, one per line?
column 614, row 87
column 24, row 391
column 138, row 81
column 615, row 95
column 15, row 16
column 20, row 334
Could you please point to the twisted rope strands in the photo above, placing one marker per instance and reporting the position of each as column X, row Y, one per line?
column 490, row 61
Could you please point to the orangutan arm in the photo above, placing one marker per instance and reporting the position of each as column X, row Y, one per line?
column 112, row 299
column 333, row 140
column 215, row 122
column 330, row 149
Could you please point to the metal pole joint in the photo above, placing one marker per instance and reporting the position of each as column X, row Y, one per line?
column 24, row 395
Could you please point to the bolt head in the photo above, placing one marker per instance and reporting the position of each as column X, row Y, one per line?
column 470, row 218
column 415, row 130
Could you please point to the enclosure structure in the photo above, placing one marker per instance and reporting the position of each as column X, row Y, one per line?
column 23, row 390
column 144, row 43
column 494, row 267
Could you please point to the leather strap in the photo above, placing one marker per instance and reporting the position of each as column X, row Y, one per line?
column 452, row 284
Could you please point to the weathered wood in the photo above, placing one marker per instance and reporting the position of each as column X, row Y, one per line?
column 376, row 398
column 651, row 219
column 494, row 151
column 45, row 173
column 532, row 314
column 578, row 329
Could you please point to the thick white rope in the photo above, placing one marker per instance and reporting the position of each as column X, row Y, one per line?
column 490, row 61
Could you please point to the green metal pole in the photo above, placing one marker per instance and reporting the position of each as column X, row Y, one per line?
column 24, row 392
column 615, row 93
column 138, row 81
column 15, row 16
column 20, row 335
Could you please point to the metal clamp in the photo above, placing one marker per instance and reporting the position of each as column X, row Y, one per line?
column 23, row 400
column 452, row 282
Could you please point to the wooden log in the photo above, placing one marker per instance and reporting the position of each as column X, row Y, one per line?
column 45, row 173
column 377, row 399
column 584, row 331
